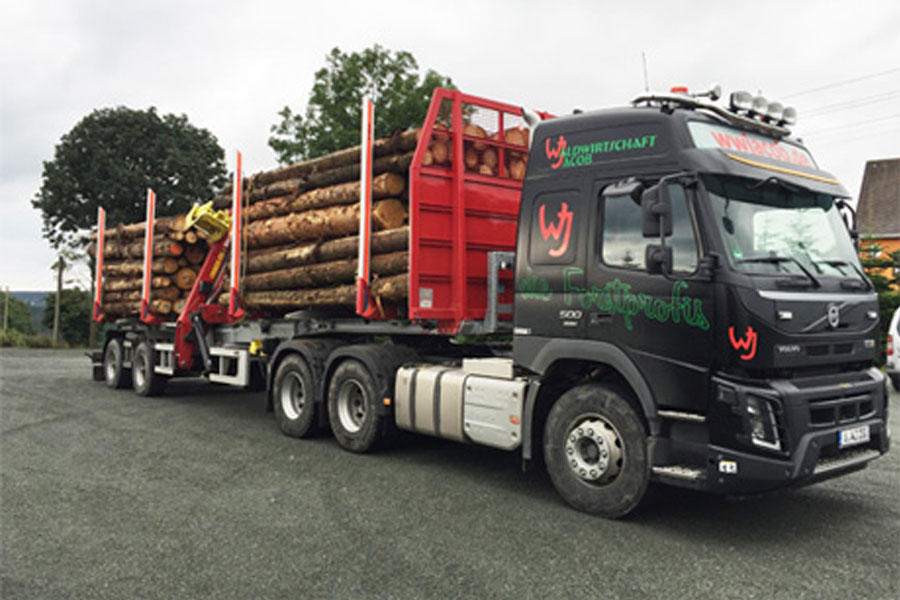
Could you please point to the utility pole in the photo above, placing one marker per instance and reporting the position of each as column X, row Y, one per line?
column 60, row 265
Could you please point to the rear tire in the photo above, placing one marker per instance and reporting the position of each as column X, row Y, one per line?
column 294, row 398
column 114, row 372
column 353, row 408
column 146, row 381
column 895, row 381
column 595, row 449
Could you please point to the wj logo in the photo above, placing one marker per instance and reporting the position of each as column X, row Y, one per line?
column 561, row 228
column 745, row 344
column 557, row 153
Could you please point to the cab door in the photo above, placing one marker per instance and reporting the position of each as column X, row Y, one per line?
column 662, row 321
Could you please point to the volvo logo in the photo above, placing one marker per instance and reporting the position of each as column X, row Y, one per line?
column 834, row 316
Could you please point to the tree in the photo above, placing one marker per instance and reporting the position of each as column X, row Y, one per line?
column 332, row 119
column 19, row 314
column 111, row 157
column 74, row 315
column 883, row 270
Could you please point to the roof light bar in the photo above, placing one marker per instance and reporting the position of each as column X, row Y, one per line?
column 760, row 105
column 789, row 116
column 775, row 111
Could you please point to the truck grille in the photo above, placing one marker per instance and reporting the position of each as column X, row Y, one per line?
column 832, row 411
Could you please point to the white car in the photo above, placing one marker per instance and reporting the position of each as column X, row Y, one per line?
column 893, row 350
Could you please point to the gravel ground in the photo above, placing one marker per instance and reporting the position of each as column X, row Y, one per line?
column 196, row 494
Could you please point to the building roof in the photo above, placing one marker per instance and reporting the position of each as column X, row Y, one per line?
column 878, row 212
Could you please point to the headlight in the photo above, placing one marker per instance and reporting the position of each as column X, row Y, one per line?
column 761, row 422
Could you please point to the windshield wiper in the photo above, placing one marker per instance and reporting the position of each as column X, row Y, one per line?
column 780, row 259
column 837, row 262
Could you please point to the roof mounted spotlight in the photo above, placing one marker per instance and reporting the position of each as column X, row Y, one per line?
column 760, row 105
column 740, row 101
column 774, row 112
column 789, row 116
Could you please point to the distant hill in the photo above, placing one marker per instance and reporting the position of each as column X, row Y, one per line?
column 35, row 302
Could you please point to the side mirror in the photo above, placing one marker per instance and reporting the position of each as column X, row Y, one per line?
column 656, row 207
column 658, row 259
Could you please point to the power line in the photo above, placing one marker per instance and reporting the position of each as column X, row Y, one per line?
column 850, row 125
column 855, row 103
column 840, row 83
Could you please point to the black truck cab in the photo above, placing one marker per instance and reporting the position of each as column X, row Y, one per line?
column 703, row 264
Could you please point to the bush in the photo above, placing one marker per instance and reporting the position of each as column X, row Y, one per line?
column 13, row 338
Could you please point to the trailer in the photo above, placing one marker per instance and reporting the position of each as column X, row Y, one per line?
column 670, row 296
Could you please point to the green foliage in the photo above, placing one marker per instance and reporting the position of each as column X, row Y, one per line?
column 333, row 120
column 74, row 315
column 873, row 260
column 111, row 157
column 16, row 339
column 19, row 315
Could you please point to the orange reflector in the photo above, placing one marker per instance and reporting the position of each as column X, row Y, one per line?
column 679, row 89
column 514, row 419
column 387, row 401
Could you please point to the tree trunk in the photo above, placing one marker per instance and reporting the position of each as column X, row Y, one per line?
column 326, row 273
column 185, row 278
column 397, row 163
column 383, row 186
column 128, row 231
column 135, row 268
column 194, row 254
column 162, row 247
column 132, row 307
column 400, row 143
column 335, row 221
column 391, row 288
column 270, row 259
column 134, row 283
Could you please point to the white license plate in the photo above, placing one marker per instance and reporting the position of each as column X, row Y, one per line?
column 853, row 436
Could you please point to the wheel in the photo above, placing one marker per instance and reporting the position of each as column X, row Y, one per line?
column 294, row 397
column 146, row 381
column 115, row 374
column 352, row 408
column 895, row 381
column 595, row 451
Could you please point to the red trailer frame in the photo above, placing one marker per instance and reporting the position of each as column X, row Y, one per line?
column 458, row 216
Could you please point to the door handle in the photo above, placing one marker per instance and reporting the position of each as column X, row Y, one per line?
column 599, row 318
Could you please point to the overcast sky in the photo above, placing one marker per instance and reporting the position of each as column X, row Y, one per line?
column 230, row 66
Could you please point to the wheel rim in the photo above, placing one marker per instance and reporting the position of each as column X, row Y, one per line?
column 112, row 362
column 352, row 406
column 293, row 396
column 140, row 363
column 594, row 450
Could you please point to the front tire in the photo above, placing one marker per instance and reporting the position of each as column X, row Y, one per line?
column 595, row 449
column 115, row 374
column 294, row 398
column 147, row 382
column 353, row 409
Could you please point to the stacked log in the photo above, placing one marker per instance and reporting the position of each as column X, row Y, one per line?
column 177, row 255
column 482, row 150
column 301, row 225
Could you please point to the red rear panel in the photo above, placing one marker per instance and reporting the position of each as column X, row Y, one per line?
column 460, row 211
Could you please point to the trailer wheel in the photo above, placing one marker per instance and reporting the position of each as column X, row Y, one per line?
column 147, row 382
column 114, row 372
column 294, row 397
column 596, row 452
column 352, row 408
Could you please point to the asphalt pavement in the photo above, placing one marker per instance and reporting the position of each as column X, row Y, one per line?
column 196, row 494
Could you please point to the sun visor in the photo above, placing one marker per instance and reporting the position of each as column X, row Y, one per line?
column 730, row 151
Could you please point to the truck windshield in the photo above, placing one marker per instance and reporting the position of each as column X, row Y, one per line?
column 774, row 229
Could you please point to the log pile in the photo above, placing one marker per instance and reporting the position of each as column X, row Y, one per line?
column 301, row 224
column 482, row 157
column 177, row 256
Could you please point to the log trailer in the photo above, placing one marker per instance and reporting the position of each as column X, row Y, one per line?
column 671, row 296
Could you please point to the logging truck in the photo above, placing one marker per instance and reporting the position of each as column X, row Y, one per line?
column 662, row 293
